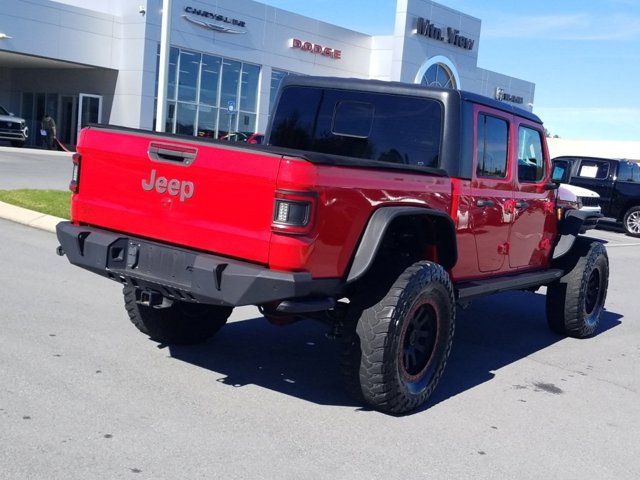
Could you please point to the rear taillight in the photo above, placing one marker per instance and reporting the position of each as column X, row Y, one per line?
column 75, row 175
column 293, row 212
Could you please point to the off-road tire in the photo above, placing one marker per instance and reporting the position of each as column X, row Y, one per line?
column 631, row 221
column 576, row 301
column 182, row 323
column 375, row 362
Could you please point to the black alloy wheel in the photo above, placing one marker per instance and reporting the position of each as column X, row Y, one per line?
column 395, row 356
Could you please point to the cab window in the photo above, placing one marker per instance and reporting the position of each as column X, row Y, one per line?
column 492, row 148
column 530, row 155
column 593, row 169
column 366, row 125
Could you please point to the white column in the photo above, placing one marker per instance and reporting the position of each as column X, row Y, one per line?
column 263, row 99
column 163, row 73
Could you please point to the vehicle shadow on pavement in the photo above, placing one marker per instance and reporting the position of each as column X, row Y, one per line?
column 497, row 331
column 297, row 360
column 300, row 361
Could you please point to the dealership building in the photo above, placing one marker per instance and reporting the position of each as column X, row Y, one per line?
column 88, row 61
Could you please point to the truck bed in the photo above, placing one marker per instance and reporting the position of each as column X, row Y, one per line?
column 223, row 201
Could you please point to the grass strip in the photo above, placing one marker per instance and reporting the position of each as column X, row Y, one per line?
column 50, row 202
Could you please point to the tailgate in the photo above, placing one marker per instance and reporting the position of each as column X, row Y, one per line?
column 210, row 197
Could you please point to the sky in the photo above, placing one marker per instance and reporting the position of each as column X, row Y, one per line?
column 583, row 55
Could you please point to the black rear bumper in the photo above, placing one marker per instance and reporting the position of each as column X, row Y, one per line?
column 181, row 273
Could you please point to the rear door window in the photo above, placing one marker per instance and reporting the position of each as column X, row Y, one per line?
column 373, row 126
column 493, row 147
column 629, row 172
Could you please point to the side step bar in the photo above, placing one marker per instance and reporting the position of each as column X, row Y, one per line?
column 480, row 288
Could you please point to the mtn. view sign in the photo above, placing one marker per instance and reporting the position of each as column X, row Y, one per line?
column 448, row 35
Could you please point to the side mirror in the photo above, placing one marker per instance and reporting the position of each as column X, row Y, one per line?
column 560, row 172
column 11, row 114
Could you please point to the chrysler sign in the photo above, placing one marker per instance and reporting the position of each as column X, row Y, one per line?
column 213, row 21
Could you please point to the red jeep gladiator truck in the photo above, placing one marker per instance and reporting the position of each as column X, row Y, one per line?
column 375, row 207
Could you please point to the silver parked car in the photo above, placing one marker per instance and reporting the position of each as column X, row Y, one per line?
column 12, row 128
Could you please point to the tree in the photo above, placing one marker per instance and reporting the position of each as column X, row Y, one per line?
column 548, row 134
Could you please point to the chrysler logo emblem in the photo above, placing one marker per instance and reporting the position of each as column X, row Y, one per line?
column 212, row 21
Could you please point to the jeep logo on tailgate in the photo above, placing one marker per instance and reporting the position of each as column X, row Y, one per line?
column 173, row 187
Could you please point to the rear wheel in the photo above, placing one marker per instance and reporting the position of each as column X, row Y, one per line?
column 576, row 301
column 631, row 221
column 396, row 356
column 181, row 323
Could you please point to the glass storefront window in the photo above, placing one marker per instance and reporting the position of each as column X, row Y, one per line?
column 230, row 81
column 204, row 87
column 207, row 121
column 249, row 88
column 171, row 117
column 173, row 71
column 51, row 105
column 188, row 76
column 186, row 119
column 226, row 124
column 209, row 79
column 247, row 123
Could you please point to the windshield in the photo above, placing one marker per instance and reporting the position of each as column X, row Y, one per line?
column 373, row 126
column 3, row 111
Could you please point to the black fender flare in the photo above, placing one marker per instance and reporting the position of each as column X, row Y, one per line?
column 574, row 223
column 378, row 225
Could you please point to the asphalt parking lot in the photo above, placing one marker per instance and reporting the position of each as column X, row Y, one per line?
column 32, row 168
column 84, row 395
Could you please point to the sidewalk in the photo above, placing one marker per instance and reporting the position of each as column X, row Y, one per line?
column 29, row 217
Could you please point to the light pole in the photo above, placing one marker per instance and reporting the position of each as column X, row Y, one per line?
column 163, row 73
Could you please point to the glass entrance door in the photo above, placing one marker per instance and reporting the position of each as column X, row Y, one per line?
column 68, row 118
column 89, row 110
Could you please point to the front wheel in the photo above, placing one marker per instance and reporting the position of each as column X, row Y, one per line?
column 181, row 323
column 631, row 221
column 576, row 301
column 401, row 344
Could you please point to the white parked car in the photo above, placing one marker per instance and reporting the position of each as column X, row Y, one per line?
column 579, row 198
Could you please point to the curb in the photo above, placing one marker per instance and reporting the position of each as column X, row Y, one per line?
column 30, row 218
column 34, row 151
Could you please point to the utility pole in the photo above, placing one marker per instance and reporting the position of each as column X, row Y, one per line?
column 163, row 73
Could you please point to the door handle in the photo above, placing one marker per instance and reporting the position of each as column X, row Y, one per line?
column 485, row 203
column 522, row 204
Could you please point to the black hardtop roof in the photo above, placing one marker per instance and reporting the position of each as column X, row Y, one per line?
column 588, row 157
column 400, row 88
